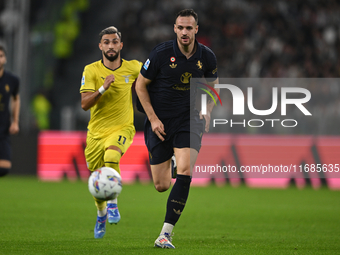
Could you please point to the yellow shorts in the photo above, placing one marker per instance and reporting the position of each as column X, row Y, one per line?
column 95, row 148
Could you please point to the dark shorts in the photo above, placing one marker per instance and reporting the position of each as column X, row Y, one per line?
column 5, row 148
column 180, row 133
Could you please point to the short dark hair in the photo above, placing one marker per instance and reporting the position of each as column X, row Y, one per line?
column 108, row 31
column 2, row 48
column 188, row 13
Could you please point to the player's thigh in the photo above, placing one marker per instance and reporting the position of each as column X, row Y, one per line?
column 161, row 175
column 160, row 159
column 185, row 160
column 121, row 139
column 94, row 153
column 186, row 148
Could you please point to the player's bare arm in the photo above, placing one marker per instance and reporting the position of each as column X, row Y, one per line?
column 89, row 99
column 143, row 94
column 210, row 105
column 14, row 128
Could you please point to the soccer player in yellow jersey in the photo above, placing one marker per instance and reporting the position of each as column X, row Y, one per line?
column 106, row 91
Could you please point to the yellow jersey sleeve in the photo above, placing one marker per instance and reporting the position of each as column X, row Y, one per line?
column 88, row 81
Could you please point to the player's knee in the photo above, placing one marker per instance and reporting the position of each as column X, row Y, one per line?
column 112, row 158
column 4, row 171
column 161, row 187
column 183, row 171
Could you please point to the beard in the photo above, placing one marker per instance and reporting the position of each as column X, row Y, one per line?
column 187, row 43
column 112, row 57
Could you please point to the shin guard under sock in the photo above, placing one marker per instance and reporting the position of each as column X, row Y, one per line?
column 177, row 198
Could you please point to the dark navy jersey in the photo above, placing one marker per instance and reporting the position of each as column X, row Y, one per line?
column 9, row 86
column 170, row 72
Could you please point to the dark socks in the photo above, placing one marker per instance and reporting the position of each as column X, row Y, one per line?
column 177, row 198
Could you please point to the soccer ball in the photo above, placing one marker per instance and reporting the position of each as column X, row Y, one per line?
column 105, row 183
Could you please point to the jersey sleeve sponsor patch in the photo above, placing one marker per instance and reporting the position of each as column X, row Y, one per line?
column 146, row 64
column 83, row 81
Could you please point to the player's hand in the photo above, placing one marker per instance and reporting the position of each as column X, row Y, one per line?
column 108, row 81
column 14, row 128
column 158, row 128
column 207, row 118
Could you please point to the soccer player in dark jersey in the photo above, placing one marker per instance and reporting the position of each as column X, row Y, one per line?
column 9, row 112
column 163, row 88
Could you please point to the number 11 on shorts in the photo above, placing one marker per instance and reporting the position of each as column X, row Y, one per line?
column 120, row 139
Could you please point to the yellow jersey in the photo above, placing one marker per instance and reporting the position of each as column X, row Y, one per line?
column 114, row 110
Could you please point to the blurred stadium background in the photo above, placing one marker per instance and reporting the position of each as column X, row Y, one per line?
column 49, row 43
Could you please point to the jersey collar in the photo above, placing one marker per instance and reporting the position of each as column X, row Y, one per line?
column 178, row 53
column 121, row 63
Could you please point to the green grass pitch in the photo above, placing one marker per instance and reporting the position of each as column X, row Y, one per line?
column 58, row 218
